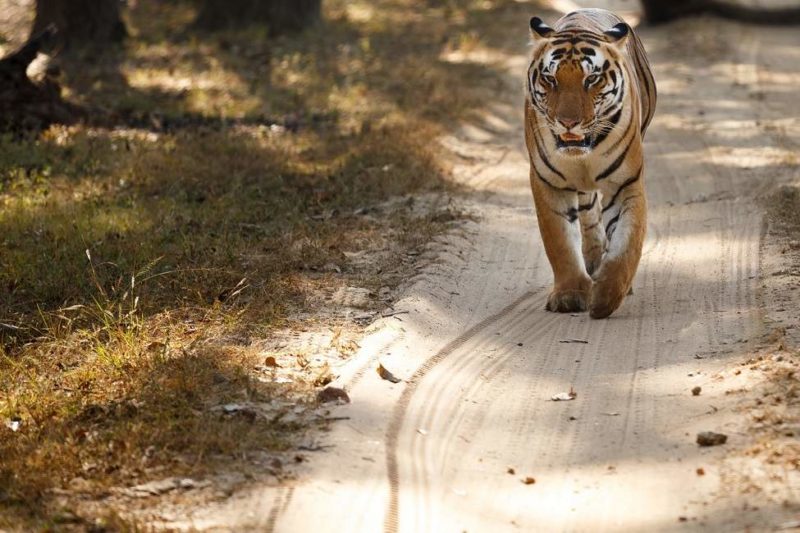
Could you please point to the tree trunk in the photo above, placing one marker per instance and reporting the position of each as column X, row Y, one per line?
column 81, row 23
column 279, row 16
column 26, row 106
column 660, row 11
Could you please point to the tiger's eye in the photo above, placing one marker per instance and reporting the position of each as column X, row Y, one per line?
column 592, row 78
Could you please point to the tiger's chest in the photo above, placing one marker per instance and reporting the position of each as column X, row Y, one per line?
column 580, row 172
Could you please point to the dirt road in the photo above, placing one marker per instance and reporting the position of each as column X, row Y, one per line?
column 450, row 447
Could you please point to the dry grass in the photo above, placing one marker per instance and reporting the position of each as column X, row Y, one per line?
column 220, row 174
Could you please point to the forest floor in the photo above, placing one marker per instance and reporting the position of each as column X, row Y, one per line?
column 182, row 274
column 403, row 238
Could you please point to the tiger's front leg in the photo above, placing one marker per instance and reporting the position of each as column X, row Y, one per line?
column 594, row 236
column 625, row 224
column 557, row 212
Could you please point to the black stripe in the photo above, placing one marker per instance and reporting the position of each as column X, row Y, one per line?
column 617, row 89
column 574, row 32
column 539, row 175
column 621, row 94
column 612, row 222
column 602, row 137
column 571, row 215
column 615, row 165
column 624, row 136
column 576, row 40
column 586, row 33
column 543, row 158
column 588, row 206
column 625, row 184
column 638, row 67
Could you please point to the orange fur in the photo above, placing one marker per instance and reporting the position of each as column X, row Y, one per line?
column 590, row 98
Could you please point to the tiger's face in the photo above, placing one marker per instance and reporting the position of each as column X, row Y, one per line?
column 576, row 83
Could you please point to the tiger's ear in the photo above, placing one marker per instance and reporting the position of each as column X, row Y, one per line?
column 539, row 29
column 618, row 35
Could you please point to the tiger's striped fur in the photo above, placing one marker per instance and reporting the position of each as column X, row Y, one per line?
column 590, row 98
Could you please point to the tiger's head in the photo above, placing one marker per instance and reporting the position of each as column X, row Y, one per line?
column 576, row 83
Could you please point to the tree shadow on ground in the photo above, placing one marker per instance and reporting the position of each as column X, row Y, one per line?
column 204, row 199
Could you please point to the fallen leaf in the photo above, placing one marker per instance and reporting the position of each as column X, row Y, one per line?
column 333, row 394
column 696, row 391
column 573, row 341
column 710, row 438
column 529, row 480
column 511, row 471
column 388, row 376
column 565, row 396
column 271, row 362
column 700, row 472
column 230, row 408
column 248, row 410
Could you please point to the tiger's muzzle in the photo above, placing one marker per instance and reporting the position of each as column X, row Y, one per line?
column 565, row 141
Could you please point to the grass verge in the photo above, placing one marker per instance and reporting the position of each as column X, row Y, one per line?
column 223, row 181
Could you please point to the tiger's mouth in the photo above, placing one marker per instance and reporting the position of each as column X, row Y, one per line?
column 572, row 140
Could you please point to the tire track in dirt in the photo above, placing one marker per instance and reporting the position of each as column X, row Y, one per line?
column 399, row 413
column 419, row 471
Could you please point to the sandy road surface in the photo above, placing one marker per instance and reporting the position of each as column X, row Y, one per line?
column 481, row 357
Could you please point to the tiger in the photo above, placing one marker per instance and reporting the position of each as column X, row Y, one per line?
column 590, row 98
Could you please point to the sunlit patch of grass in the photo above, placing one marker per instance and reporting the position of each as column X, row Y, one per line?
column 220, row 176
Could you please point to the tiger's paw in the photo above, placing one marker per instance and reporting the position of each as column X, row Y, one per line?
column 567, row 301
column 605, row 299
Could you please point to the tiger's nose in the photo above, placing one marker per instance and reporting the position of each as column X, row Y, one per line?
column 568, row 123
